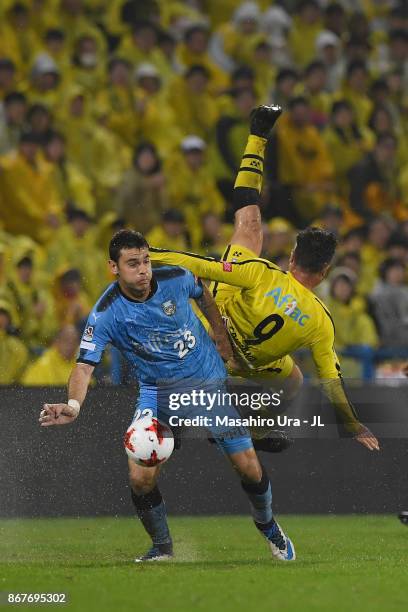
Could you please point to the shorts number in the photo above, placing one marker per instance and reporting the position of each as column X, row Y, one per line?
column 185, row 345
column 146, row 412
column 259, row 331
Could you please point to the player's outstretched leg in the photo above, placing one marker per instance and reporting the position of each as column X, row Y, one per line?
column 257, row 486
column 248, row 183
column 151, row 510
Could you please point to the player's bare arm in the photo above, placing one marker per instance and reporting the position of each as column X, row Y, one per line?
column 63, row 414
column 208, row 307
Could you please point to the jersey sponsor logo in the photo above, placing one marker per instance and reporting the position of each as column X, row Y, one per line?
column 89, row 346
column 255, row 163
column 287, row 302
column 227, row 266
column 88, row 334
column 169, row 308
column 290, row 307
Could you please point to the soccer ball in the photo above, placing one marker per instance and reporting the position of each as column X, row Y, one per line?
column 149, row 442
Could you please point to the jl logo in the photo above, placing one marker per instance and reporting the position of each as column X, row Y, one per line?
column 169, row 308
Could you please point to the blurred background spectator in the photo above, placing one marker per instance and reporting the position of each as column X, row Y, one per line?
column 121, row 113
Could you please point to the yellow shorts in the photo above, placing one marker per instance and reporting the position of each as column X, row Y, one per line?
column 280, row 368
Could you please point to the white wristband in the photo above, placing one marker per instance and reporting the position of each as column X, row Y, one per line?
column 73, row 403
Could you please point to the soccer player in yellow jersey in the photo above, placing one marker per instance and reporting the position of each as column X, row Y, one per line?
column 270, row 313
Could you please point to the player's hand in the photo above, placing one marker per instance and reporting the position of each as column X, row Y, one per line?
column 367, row 438
column 405, row 369
column 57, row 414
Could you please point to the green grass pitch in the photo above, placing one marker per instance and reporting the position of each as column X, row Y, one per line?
column 352, row 563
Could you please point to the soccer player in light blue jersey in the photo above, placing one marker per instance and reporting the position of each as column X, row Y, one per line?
column 147, row 315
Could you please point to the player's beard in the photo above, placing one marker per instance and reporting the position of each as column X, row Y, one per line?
column 137, row 292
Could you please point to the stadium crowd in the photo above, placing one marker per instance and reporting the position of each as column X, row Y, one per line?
column 119, row 113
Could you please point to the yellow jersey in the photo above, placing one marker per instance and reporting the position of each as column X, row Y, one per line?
column 269, row 316
column 272, row 315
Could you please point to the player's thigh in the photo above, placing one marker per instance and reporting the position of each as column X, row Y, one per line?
column 142, row 479
column 248, row 228
column 247, row 465
column 283, row 374
column 291, row 378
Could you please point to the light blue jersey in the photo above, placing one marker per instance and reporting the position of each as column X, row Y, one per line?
column 165, row 343
column 162, row 338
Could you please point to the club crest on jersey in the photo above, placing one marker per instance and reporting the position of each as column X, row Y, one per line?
column 169, row 308
column 227, row 266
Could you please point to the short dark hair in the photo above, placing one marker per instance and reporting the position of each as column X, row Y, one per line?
column 126, row 239
column 13, row 97
column 72, row 275
column 197, row 69
column 54, row 135
column 388, row 264
column 25, row 262
column 340, row 105
column 7, row 64
column 242, row 72
column 386, row 137
column 334, row 9
column 349, row 255
column 356, row 232
column 143, row 24
column 355, row 65
column 313, row 66
column 398, row 239
column 286, row 73
column 193, row 29
column 297, row 101
column 75, row 214
column 118, row 61
column 54, row 34
column 37, row 109
column 398, row 34
column 173, row 216
column 314, row 249
column 28, row 137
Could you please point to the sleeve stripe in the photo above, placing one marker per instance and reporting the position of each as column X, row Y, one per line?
column 351, row 405
column 248, row 169
column 223, row 258
column 252, row 156
column 327, row 312
column 268, row 264
column 156, row 250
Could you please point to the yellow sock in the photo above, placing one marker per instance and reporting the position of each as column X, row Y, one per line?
column 251, row 170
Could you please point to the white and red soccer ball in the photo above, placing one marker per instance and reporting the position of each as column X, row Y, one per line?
column 149, row 442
